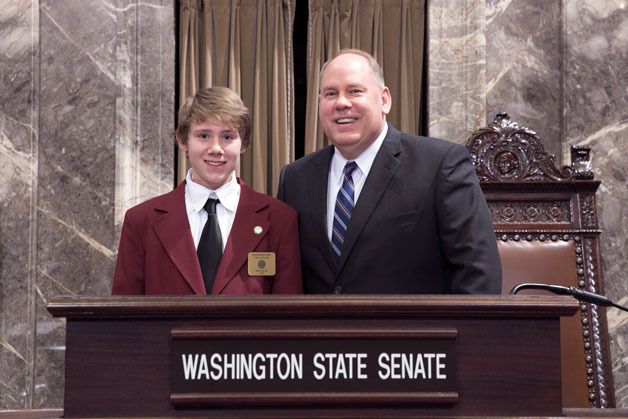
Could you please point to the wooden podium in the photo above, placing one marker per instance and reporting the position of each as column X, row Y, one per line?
column 280, row 356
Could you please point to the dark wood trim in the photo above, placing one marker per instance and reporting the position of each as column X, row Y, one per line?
column 314, row 399
column 185, row 333
column 320, row 306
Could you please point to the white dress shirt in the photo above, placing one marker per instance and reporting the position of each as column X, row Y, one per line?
column 196, row 196
column 364, row 162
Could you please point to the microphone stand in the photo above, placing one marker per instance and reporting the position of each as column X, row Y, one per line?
column 585, row 296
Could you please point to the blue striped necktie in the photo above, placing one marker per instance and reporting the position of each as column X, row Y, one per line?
column 343, row 210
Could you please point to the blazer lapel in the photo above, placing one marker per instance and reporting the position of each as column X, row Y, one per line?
column 318, row 181
column 173, row 231
column 243, row 237
column 384, row 167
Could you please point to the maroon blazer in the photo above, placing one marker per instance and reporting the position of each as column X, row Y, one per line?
column 157, row 254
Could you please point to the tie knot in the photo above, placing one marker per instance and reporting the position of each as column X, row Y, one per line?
column 210, row 205
column 350, row 167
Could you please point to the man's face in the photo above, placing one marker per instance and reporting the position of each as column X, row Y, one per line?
column 213, row 148
column 351, row 106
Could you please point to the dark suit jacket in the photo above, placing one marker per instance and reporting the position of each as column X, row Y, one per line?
column 157, row 254
column 420, row 225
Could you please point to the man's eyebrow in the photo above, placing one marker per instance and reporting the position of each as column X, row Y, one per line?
column 350, row 86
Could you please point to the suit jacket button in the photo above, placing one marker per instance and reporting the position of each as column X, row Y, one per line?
column 338, row 290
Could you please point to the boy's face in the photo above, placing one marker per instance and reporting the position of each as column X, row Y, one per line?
column 213, row 149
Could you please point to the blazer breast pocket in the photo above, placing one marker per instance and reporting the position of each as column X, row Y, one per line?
column 401, row 220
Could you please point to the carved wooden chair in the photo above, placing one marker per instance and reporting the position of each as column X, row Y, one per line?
column 547, row 231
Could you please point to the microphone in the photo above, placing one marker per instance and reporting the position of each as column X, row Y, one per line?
column 586, row 296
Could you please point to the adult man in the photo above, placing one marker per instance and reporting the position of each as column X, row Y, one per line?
column 407, row 217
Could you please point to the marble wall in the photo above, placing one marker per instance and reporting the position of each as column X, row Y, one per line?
column 595, row 107
column 87, row 110
column 86, row 116
column 559, row 68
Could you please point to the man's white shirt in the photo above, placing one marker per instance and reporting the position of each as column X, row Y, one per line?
column 334, row 182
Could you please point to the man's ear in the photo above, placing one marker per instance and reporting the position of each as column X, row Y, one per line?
column 386, row 101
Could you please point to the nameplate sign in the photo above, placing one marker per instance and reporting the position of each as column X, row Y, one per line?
column 310, row 367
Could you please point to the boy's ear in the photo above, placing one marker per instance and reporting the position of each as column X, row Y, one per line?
column 181, row 143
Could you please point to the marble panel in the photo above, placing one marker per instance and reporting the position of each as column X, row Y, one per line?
column 596, row 99
column 107, row 118
column 610, row 166
column 156, row 107
column 18, row 159
column 77, row 119
column 145, row 110
column 49, row 372
column 457, row 68
column 523, row 66
column 76, row 172
column 16, row 224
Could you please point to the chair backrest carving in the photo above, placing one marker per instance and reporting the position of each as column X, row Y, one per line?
column 546, row 226
column 505, row 151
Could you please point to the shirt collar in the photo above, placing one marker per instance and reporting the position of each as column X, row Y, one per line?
column 197, row 194
column 364, row 160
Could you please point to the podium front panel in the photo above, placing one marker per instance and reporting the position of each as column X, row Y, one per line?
column 119, row 357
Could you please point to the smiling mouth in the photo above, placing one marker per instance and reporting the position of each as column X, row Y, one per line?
column 345, row 120
column 215, row 163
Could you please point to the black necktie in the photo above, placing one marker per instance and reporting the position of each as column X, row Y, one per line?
column 210, row 246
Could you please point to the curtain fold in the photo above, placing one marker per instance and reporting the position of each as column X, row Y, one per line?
column 391, row 30
column 189, row 55
column 245, row 45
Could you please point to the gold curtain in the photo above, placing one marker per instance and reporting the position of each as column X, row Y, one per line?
column 391, row 30
column 245, row 45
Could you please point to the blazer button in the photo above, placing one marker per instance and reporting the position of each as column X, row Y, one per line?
column 338, row 290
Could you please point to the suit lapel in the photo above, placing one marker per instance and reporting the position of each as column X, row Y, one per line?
column 243, row 237
column 384, row 167
column 318, row 181
column 173, row 230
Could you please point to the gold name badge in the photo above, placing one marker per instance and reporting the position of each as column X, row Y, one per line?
column 262, row 264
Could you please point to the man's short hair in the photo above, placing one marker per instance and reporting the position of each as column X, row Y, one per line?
column 376, row 69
